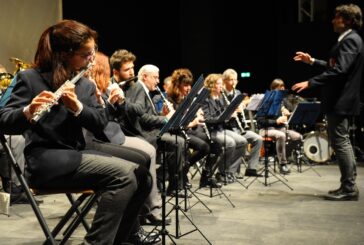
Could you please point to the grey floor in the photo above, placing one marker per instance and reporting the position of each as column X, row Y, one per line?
column 271, row 214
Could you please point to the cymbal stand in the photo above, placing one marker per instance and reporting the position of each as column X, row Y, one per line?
column 299, row 158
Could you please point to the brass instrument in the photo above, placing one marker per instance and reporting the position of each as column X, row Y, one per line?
column 46, row 107
column 5, row 80
column 19, row 65
column 236, row 118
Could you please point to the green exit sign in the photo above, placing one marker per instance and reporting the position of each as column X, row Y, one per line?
column 244, row 74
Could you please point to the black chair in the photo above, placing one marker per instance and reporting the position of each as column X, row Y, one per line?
column 74, row 215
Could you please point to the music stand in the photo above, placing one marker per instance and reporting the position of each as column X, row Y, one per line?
column 270, row 106
column 173, row 127
column 305, row 113
column 222, row 119
column 253, row 105
column 183, row 125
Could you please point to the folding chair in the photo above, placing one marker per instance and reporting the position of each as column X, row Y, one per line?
column 79, row 207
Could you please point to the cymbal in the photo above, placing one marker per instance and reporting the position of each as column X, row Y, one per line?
column 15, row 60
column 6, row 75
column 20, row 65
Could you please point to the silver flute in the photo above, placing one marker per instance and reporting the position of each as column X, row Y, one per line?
column 227, row 101
column 46, row 107
column 123, row 83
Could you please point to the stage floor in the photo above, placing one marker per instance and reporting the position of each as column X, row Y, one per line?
column 273, row 215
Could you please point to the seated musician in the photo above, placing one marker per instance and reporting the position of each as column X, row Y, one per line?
column 230, row 79
column 232, row 142
column 113, row 141
column 180, row 86
column 148, row 124
column 276, row 127
column 55, row 147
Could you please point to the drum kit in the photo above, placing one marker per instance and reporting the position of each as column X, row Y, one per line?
column 316, row 145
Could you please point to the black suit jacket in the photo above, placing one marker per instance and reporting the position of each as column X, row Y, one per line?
column 342, row 77
column 53, row 144
column 212, row 109
column 148, row 123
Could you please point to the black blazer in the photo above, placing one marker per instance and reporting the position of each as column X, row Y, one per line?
column 148, row 123
column 342, row 77
column 53, row 144
column 212, row 109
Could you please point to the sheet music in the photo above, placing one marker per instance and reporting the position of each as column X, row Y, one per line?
column 255, row 101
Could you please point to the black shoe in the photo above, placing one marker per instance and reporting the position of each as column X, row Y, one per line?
column 188, row 185
column 21, row 198
column 283, row 169
column 210, row 182
column 225, row 178
column 181, row 194
column 334, row 192
column 239, row 176
column 343, row 196
column 151, row 219
column 144, row 237
column 252, row 173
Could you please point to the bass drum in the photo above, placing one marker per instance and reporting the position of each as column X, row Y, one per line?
column 316, row 147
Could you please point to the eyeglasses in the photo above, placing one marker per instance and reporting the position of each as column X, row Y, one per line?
column 87, row 55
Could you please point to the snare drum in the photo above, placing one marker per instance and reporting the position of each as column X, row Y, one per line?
column 316, row 147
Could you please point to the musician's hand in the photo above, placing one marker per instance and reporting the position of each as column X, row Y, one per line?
column 194, row 123
column 42, row 98
column 235, row 114
column 165, row 110
column 298, row 87
column 303, row 57
column 281, row 120
column 240, row 108
column 170, row 114
column 116, row 96
column 285, row 112
column 69, row 98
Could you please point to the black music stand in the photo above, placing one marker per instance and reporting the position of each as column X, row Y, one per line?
column 183, row 125
column 173, row 127
column 306, row 113
column 270, row 106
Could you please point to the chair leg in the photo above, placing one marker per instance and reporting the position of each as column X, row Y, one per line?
column 49, row 237
column 72, row 201
column 80, row 218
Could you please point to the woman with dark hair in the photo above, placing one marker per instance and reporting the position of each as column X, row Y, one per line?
column 181, row 82
column 54, row 148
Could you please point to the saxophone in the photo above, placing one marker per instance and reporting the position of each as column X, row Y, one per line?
column 241, row 128
column 46, row 107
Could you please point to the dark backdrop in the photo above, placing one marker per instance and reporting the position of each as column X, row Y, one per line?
column 210, row 36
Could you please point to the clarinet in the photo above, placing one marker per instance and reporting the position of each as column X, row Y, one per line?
column 170, row 108
column 168, row 104
column 46, row 107
column 236, row 118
